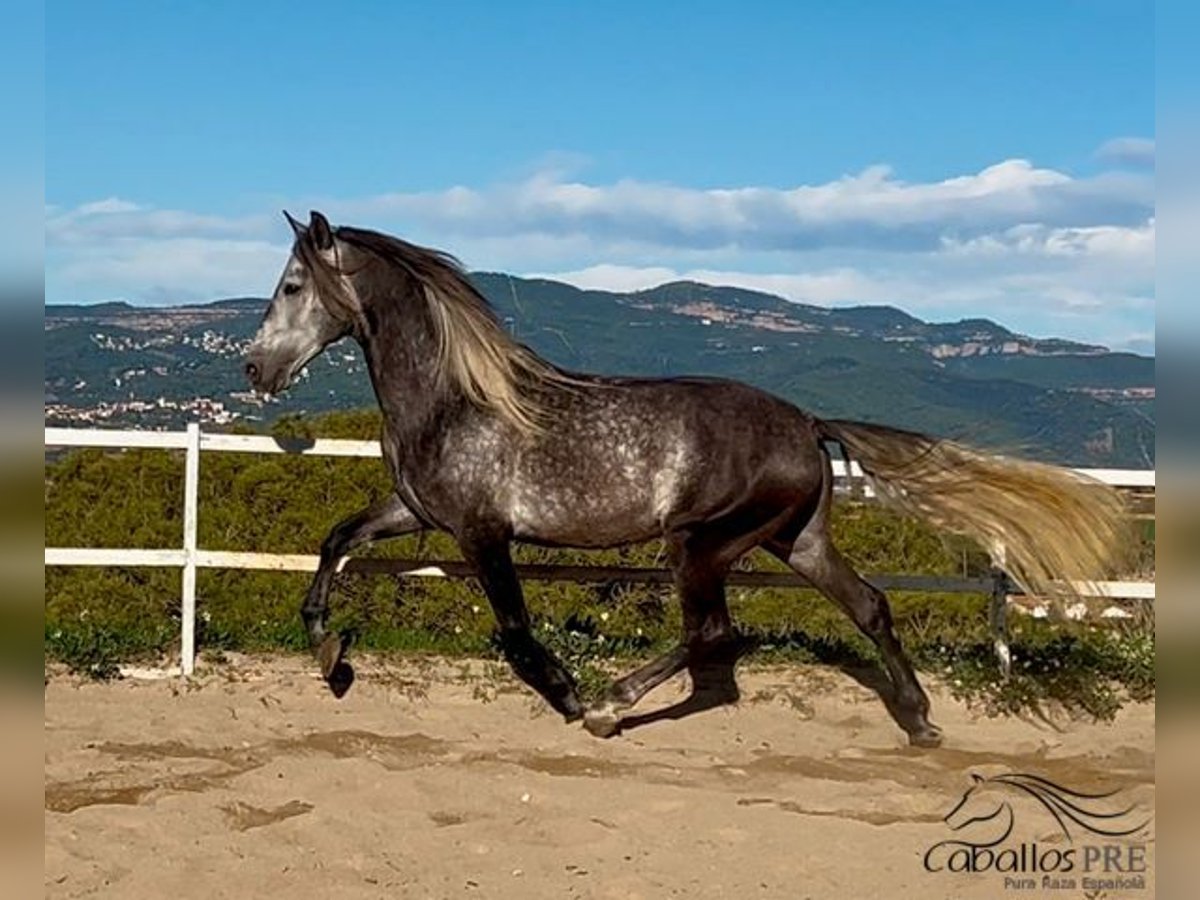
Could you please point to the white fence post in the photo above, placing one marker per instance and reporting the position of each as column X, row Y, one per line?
column 998, row 611
column 191, row 503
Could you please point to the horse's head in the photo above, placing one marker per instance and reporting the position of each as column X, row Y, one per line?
column 309, row 310
column 976, row 805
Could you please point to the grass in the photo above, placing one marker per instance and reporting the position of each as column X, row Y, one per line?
column 1085, row 669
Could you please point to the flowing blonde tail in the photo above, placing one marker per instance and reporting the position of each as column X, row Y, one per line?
column 1051, row 526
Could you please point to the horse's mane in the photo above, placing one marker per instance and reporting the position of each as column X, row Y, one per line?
column 474, row 352
column 1063, row 803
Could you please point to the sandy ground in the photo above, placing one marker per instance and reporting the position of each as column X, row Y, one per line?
column 425, row 781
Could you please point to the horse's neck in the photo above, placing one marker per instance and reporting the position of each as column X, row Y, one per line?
column 402, row 359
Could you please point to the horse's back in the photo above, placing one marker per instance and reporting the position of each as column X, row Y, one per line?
column 727, row 418
column 627, row 458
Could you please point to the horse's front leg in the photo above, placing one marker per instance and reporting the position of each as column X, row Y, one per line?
column 388, row 518
column 535, row 665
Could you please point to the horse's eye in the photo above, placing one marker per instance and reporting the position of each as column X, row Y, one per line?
column 289, row 289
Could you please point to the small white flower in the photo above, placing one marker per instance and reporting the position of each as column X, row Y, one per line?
column 604, row 617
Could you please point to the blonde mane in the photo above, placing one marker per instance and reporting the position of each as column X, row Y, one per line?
column 492, row 370
column 475, row 354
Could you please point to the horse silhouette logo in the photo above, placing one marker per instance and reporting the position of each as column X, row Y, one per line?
column 989, row 800
column 986, row 815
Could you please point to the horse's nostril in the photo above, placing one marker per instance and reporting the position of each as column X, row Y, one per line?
column 252, row 371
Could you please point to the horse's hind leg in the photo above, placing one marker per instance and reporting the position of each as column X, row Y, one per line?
column 532, row 662
column 388, row 518
column 812, row 555
column 700, row 579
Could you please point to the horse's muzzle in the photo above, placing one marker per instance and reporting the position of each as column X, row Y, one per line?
column 265, row 378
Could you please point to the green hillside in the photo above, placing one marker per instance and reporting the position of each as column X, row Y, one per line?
column 972, row 379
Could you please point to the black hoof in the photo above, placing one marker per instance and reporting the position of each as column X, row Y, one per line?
column 569, row 707
column 340, row 679
column 929, row 736
column 338, row 673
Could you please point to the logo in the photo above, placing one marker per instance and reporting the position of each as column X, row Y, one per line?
column 1093, row 841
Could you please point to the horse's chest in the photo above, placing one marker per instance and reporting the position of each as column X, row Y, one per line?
column 428, row 512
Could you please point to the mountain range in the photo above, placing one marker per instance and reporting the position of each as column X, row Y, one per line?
column 973, row 380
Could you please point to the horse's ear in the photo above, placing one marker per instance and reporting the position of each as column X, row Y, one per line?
column 976, row 777
column 299, row 229
column 322, row 233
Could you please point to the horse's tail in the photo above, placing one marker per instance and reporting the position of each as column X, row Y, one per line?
column 1049, row 526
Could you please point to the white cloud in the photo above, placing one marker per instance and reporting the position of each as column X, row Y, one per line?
column 872, row 209
column 172, row 270
column 1108, row 242
column 1033, row 247
column 1136, row 152
column 108, row 205
column 115, row 218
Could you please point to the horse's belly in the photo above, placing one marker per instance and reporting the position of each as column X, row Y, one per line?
column 579, row 521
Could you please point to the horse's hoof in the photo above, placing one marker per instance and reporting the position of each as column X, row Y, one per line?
column 602, row 723
column 569, row 706
column 929, row 736
column 340, row 679
column 338, row 673
column 329, row 654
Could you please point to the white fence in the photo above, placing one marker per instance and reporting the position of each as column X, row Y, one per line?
column 190, row 557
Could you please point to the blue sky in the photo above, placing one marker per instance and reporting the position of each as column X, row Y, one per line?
column 954, row 159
